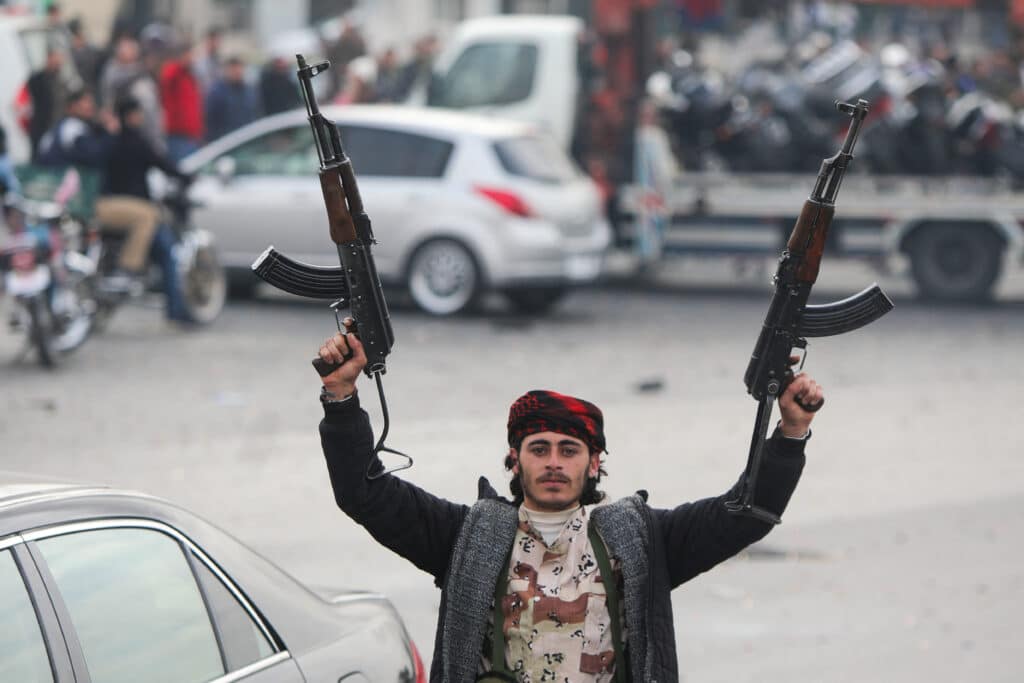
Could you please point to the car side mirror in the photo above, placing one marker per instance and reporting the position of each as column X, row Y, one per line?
column 225, row 168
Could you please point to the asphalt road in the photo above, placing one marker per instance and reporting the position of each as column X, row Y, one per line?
column 899, row 558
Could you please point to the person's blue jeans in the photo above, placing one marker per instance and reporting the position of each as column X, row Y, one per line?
column 162, row 252
column 179, row 147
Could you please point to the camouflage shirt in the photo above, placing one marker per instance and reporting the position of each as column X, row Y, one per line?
column 556, row 621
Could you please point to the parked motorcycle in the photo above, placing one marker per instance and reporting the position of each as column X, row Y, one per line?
column 195, row 264
column 49, row 283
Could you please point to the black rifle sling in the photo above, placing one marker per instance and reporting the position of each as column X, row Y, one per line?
column 499, row 671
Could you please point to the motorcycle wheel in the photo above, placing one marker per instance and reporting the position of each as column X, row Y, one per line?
column 41, row 331
column 74, row 310
column 204, row 285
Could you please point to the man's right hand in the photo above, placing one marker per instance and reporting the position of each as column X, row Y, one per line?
column 342, row 382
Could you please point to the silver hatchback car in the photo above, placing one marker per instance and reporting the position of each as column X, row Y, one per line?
column 461, row 204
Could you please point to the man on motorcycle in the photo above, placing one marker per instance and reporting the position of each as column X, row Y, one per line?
column 99, row 142
column 84, row 138
column 131, row 157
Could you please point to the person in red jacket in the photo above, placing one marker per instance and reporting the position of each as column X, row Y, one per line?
column 183, row 104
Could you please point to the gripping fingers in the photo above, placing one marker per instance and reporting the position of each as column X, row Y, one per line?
column 807, row 394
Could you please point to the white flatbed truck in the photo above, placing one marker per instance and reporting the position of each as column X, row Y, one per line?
column 957, row 234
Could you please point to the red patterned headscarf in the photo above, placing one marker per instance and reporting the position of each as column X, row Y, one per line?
column 548, row 411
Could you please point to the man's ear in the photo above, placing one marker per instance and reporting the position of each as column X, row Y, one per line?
column 595, row 464
column 514, row 455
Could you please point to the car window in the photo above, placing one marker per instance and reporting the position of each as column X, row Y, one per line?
column 135, row 606
column 241, row 639
column 488, row 74
column 381, row 152
column 23, row 654
column 537, row 158
column 286, row 151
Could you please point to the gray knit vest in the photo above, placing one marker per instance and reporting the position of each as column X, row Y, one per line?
column 483, row 544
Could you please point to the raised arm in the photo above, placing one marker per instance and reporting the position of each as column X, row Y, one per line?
column 700, row 534
column 417, row 525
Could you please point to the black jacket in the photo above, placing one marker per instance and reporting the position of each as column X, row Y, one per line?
column 130, row 158
column 682, row 542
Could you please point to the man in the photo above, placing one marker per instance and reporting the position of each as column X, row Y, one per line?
column 208, row 63
column 126, row 75
column 231, row 102
column 278, row 89
column 182, row 103
column 349, row 45
column 560, row 616
column 126, row 196
column 87, row 57
column 81, row 137
column 48, row 92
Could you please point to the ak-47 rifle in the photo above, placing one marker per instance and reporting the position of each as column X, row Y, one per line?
column 790, row 320
column 355, row 285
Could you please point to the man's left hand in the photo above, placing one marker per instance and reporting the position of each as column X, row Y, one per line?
column 795, row 420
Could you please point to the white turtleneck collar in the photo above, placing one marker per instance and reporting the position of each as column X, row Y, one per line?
column 549, row 524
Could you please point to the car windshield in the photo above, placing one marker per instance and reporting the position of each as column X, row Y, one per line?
column 537, row 158
column 487, row 74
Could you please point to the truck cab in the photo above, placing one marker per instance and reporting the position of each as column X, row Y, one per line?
column 521, row 67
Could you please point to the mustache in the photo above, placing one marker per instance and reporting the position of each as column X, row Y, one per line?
column 554, row 477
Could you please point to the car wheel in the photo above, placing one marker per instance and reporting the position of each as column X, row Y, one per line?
column 536, row 301
column 443, row 277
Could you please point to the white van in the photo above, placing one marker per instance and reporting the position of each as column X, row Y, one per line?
column 522, row 67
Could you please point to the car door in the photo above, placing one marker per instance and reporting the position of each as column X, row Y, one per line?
column 32, row 649
column 263, row 192
column 139, row 602
column 400, row 180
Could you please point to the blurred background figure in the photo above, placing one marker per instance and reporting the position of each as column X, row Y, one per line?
column 360, row 82
column 419, row 67
column 49, row 94
column 54, row 15
column 655, row 172
column 207, row 63
column 389, row 77
column 348, row 45
column 182, row 100
column 82, row 136
column 278, row 89
column 125, row 76
column 8, row 181
column 87, row 57
column 231, row 102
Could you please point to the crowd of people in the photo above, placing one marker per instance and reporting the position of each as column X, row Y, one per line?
column 152, row 97
column 192, row 94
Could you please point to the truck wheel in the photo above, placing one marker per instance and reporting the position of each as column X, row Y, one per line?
column 955, row 262
column 443, row 277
